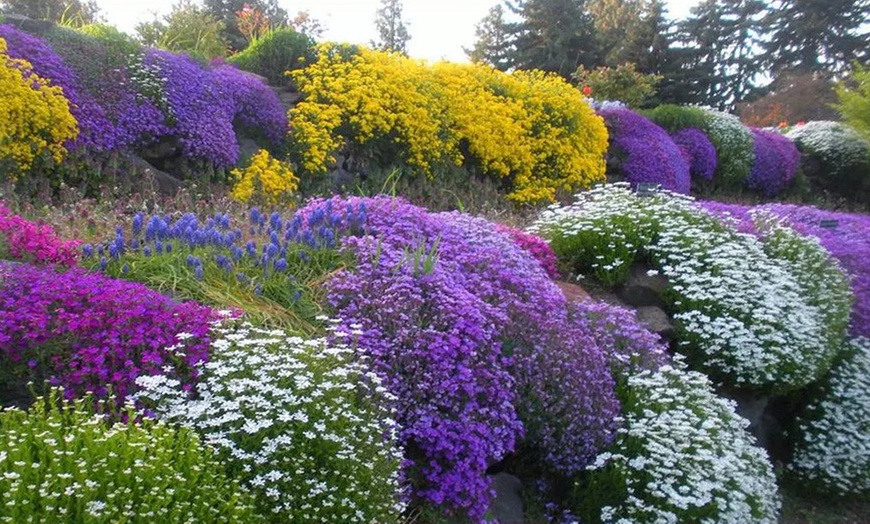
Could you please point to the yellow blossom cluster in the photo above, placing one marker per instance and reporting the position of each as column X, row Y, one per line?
column 34, row 117
column 266, row 179
column 530, row 128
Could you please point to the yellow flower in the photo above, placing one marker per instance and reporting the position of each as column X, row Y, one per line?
column 265, row 179
column 34, row 116
column 530, row 128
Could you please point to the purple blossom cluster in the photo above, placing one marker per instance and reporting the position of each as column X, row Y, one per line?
column 535, row 246
column 85, row 332
column 698, row 152
column 472, row 337
column 204, row 104
column 34, row 243
column 776, row 162
column 644, row 152
column 848, row 241
column 95, row 129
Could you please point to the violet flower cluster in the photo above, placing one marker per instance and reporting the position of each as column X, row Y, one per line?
column 698, row 152
column 535, row 246
column 85, row 332
column 203, row 104
column 95, row 129
column 848, row 241
column 34, row 243
column 776, row 162
column 644, row 152
column 472, row 337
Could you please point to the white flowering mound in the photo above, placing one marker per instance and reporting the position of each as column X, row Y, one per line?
column 767, row 313
column 835, row 156
column 297, row 420
column 833, row 453
column 734, row 147
column 683, row 456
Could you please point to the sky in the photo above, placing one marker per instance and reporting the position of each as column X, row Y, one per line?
column 439, row 28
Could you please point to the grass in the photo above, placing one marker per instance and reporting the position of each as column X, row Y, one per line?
column 801, row 508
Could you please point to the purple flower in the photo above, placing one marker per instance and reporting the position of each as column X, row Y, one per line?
column 643, row 152
column 698, row 152
column 776, row 162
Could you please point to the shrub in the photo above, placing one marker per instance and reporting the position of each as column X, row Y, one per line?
column 64, row 327
column 473, row 338
column 60, row 462
column 835, row 158
column 642, row 152
column 275, row 53
column 853, row 100
column 624, row 82
column 683, row 455
column 832, row 453
column 776, row 162
column 673, row 118
column 34, row 243
column 264, row 179
column 36, row 116
column 299, row 421
column 720, row 282
column 698, row 152
column 530, row 129
column 273, row 270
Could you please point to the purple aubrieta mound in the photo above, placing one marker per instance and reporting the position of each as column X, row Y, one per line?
column 698, row 152
column 776, row 162
column 644, row 152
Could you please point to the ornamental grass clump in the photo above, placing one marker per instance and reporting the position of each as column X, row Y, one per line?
column 272, row 268
column 37, row 122
column 529, row 130
column 832, row 453
column 302, row 422
column 642, row 153
column 26, row 241
column 682, row 455
column 87, row 332
column 836, row 158
column 760, row 313
column 61, row 462
column 473, row 339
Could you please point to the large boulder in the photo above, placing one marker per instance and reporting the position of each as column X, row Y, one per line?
column 644, row 287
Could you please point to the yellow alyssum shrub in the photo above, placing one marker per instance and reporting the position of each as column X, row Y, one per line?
column 265, row 179
column 34, row 116
column 531, row 128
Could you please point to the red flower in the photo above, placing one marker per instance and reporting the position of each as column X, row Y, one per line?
column 587, row 90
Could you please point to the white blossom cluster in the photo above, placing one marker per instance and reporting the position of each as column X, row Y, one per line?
column 834, row 142
column 300, row 421
column 684, row 456
column 733, row 142
column 833, row 452
column 754, row 313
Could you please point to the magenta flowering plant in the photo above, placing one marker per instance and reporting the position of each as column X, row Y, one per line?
column 642, row 152
column 472, row 337
column 535, row 246
column 35, row 243
column 87, row 332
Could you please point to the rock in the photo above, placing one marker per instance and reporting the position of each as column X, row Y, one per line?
column 753, row 407
column 247, row 148
column 656, row 320
column 155, row 179
column 641, row 288
column 572, row 292
column 507, row 506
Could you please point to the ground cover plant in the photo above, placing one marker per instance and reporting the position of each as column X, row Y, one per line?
column 60, row 461
column 26, row 241
column 303, row 425
column 747, row 311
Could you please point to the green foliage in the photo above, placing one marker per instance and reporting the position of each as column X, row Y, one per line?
column 674, row 117
column 66, row 12
column 274, row 54
column 227, row 12
column 853, row 97
column 188, row 28
column 62, row 462
column 624, row 83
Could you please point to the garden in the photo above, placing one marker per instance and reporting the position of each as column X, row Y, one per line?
column 325, row 283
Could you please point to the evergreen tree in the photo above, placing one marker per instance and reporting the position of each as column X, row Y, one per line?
column 493, row 44
column 818, row 36
column 392, row 30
